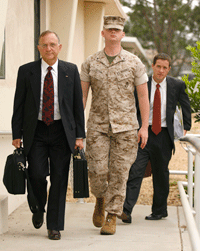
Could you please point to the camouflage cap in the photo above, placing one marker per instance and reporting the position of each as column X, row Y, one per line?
column 115, row 22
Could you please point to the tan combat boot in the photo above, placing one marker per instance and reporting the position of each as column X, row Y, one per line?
column 109, row 226
column 99, row 212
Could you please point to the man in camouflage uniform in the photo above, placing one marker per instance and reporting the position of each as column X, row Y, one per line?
column 112, row 138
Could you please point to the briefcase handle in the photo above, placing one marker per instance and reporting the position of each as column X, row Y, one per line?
column 79, row 154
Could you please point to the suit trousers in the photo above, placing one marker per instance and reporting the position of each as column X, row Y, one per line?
column 50, row 155
column 159, row 151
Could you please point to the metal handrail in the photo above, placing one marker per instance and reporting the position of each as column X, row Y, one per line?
column 193, row 140
column 191, row 224
column 191, row 200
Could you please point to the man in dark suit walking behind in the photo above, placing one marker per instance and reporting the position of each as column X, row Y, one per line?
column 164, row 94
column 48, row 115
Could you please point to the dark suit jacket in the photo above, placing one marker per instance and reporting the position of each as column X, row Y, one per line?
column 175, row 95
column 27, row 101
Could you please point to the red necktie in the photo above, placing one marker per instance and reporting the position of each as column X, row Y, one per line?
column 48, row 99
column 156, row 123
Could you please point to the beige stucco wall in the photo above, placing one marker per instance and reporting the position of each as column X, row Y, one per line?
column 63, row 19
column 94, row 13
column 19, row 36
column 77, row 55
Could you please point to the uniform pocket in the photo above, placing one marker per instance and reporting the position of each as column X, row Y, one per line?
column 96, row 74
column 125, row 80
column 124, row 74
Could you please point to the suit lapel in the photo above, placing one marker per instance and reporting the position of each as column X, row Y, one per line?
column 35, row 80
column 149, row 87
column 170, row 95
column 62, row 80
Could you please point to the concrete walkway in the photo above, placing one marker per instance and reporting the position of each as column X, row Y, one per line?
column 167, row 234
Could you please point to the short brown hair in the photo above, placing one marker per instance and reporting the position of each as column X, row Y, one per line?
column 44, row 33
column 162, row 56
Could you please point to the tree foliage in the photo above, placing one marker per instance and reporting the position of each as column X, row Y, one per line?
column 165, row 25
column 193, row 86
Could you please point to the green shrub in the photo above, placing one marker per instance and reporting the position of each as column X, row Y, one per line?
column 193, row 86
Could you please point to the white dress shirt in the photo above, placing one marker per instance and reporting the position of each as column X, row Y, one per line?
column 163, row 93
column 54, row 73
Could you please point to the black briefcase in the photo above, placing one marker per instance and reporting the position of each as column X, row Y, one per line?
column 14, row 176
column 80, row 175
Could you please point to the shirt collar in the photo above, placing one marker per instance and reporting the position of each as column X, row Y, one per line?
column 45, row 66
column 102, row 57
column 162, row 84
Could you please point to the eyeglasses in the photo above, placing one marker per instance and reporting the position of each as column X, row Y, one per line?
column 44, row 46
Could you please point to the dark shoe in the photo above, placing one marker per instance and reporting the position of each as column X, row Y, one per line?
column 54, row 234
column 38, row 219
column 125, row 217
column 156, row 216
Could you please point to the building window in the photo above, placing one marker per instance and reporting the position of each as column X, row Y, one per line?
column 2, row 60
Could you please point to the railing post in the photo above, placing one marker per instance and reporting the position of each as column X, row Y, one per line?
column 191, row 224
column 197, row 191
column 190, row 178
column 193, row 220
